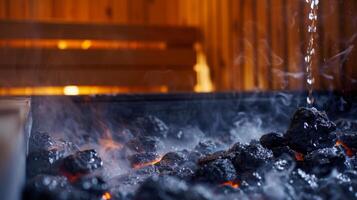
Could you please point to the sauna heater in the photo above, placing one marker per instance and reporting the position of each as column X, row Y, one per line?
column 191, row 146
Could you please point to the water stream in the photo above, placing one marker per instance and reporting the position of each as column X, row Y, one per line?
column 310, row 51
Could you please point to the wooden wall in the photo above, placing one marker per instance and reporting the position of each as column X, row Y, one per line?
column 250, row 44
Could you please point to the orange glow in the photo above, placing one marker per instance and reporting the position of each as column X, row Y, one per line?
column 109, row 144
column 349, row 151
column 232, row 184
column 141, row 165
column 86, row 44
column 81, row 44
column 62, row 45
column 70, row 90
column 299, row 156
column 77, row 90
column 106, row 196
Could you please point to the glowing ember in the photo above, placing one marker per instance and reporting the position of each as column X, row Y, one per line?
column 349, row 151
column 62, row 45
column 141, row 165
column 71, row 90
column 299, row 156
column 232, row 184
column 109, row 144
column 71, row 177
column 78, row 90
column 106, row 196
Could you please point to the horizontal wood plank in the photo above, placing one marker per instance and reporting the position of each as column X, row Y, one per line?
column 57, row 30
column 172, row 79
column 55, row 58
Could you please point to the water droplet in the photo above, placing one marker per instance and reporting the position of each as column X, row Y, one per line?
column 306, row 125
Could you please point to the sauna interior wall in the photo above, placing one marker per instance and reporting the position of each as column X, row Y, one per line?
column 249, row 43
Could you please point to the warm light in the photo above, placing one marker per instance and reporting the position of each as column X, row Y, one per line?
column 109, row 144
column 349, row 151
column 70, row 90
column 232, row 184
column 299, row 156
column 106, row 196
column 141, row 165
column 62, row 45
column 204, row 83
column 86, row 44
column 82, row 90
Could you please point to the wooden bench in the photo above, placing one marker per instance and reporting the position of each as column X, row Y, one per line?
column 170, row 66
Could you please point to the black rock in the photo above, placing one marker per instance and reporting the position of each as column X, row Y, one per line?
column 310, row 130
column 207, row 147
column 81, row 162
column 280, row 151
column 144, row 144
column 171, row 160
column 185, row 171
column 217, row 171
column 272, row 140
column 47, row 187
column 42, row 162
column 212, row 157
column 150, row 126
column 40, row 141
column 246, row 158
column 321, row 162
column 143, row 159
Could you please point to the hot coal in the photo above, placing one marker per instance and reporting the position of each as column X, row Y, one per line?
column 207, row 147
column 350, row 140
column 143, row 144
column 40, row 141
column 218, row 171
column 150, row 126
column 143, row 159
column 304, row 163
column 321, row 162
column 250, row 157
column 273, row 140
column 171, row 160
column 284, row 150
column 310, row 130
column 42, row 162
column 214, row 156
column 81, row 162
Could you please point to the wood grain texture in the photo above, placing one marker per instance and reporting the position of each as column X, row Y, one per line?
column 244, row 50
column 56, row 57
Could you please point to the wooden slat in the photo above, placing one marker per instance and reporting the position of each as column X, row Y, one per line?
column 46, row 30
column 172, row 79
column 330, row 70
column 248, row 46
column 55, row 57
column 277, row 48
column 296, row 71
column 262, row 45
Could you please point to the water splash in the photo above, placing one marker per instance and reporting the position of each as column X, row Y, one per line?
column 310, row 52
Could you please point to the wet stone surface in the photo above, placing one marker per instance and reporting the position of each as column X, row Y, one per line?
column 81, row 162
column 310, row 130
